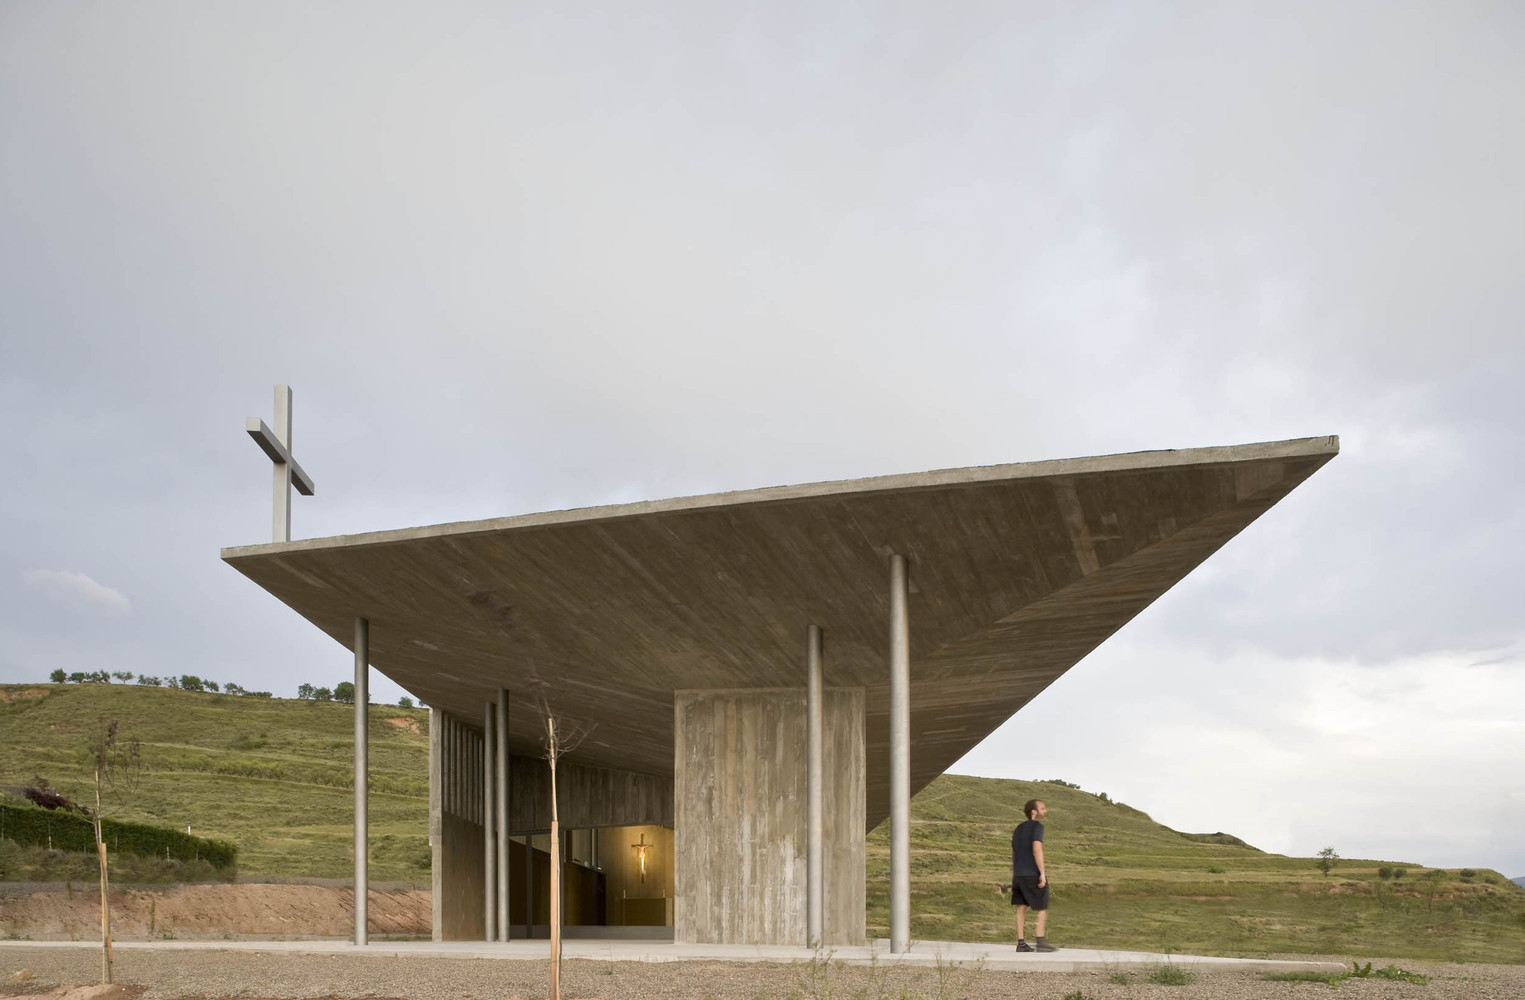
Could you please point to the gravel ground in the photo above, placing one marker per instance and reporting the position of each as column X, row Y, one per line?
column 173, row 975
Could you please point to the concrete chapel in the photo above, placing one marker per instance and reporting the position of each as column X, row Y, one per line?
column 767, row 675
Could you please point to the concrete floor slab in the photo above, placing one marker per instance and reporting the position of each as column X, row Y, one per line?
column 1001, row 957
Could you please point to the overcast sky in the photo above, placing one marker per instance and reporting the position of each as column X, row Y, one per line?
column 560, row 255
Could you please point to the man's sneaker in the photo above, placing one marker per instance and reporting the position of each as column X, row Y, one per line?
column 1045, row 946
column 1024, row 946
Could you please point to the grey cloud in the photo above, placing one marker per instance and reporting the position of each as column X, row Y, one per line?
column 519, row 259
column 78, row 590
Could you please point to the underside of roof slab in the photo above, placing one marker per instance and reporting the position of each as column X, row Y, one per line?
column 1017, row 572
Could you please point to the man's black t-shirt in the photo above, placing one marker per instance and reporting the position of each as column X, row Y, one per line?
column 1022, row 860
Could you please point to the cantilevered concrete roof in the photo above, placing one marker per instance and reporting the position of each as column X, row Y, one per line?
column 1017, row 572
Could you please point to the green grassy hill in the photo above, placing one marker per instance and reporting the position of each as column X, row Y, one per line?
column 273, row 776
column 1121, row 880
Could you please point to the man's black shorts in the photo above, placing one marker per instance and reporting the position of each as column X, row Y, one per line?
column 1025, row 891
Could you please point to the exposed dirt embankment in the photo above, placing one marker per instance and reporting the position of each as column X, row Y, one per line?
column 212, row 911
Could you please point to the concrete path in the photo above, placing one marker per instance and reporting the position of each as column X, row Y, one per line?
column 928, row 953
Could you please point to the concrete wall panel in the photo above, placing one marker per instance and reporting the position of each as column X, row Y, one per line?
column 455, row 829
column 739, row 839
column 590, row 796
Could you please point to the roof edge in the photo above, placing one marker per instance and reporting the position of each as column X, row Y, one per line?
column 1326, row 446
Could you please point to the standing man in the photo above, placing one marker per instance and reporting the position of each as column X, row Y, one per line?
column 1029, row 876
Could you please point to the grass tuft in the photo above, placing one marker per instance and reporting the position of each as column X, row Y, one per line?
column 1395, row 973
column 1170, row 974
column 1305, row 976
column 1357, row 972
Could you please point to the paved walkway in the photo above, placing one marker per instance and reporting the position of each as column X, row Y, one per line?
column 928, row 953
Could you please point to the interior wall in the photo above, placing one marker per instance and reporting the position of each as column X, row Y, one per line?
column 629, row 901
column 583, row 896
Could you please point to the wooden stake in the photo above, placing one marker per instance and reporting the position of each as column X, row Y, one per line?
column 100, row 846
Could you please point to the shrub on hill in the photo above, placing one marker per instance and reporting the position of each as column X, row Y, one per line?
column 27, row 824
column 1224, row 838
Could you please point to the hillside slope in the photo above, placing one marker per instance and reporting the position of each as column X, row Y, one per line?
column 273, row 776
column 1120, row 880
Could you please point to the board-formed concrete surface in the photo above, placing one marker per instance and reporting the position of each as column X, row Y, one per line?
column 740, row 833
column 1016, row 573
column 923, row 953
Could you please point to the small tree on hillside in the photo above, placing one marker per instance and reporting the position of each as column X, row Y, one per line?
column 345, row 691
column 322, row 694
column 404, row 702
column 1431, row 887
column 304, row 692
column 58, row 676
column 1326, row 859
column 122, row 675
column 116, row 764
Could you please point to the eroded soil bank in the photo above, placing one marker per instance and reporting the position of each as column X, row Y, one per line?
column 212, row 911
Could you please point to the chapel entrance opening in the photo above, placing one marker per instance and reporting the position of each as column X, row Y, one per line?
column 617, row 881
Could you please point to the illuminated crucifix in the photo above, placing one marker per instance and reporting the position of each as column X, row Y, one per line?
column 640, row 854
column 277, row 444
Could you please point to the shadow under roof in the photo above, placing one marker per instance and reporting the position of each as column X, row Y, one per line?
column 1017, row 572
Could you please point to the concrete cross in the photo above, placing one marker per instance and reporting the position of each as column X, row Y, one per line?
column 277, row 444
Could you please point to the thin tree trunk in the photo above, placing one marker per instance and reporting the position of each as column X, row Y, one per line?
column 100, row 847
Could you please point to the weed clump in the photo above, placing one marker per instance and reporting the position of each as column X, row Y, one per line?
column 1357, row 971
column 1305, row 976
column 1172, row 975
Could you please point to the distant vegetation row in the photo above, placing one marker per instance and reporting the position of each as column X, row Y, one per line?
column 70, row 830
column 341, row 692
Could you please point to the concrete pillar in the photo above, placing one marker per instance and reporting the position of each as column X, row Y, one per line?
column 489, row 823
column 362, row 771
column 529, row 885
column 740, row 816
column 437, row 821
column 814, row 913
column 900, row 757
column 500, row 798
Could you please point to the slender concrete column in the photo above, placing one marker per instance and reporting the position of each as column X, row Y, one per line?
column 900, row 757
column 437, row 822
column 447, row 763
column 814, row 878
column 500, row 797
column 489, row 818
column 362, row 771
